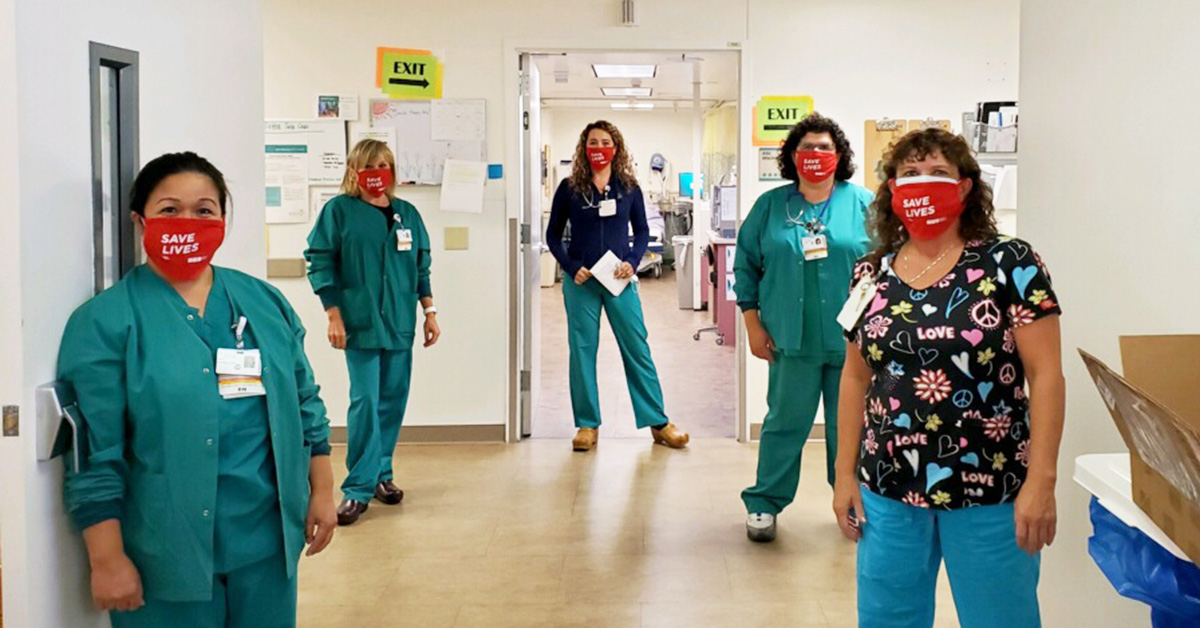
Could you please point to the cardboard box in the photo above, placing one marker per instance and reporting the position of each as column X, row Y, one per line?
column 1156, row 407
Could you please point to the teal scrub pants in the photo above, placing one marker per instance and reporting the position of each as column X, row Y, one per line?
column 379, row 383
column 257, row 596
column 795, row 387
column 900, row 553
column 584, row 304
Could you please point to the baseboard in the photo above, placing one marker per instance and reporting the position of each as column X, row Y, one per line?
column 437, row 434
column 818, row 432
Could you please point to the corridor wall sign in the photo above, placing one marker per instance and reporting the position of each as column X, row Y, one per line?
column 774, row 116
column 408, row 73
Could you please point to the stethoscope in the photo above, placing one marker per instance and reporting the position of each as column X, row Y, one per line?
column 590, row 198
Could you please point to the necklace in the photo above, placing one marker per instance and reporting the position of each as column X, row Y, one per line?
column 930, row 266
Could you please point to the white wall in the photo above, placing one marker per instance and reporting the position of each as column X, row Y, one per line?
column 201, row 89
column 1108, row 197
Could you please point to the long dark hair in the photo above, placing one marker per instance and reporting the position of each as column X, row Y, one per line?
column 978, row 222
column 622, row 165
column 816, row 123
column 169, row 164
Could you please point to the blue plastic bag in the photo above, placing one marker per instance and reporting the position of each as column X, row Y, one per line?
column 1143, row 570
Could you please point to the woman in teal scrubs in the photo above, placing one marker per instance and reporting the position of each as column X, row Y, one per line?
column 204, row 450
column 796, row 251
column 369, row 263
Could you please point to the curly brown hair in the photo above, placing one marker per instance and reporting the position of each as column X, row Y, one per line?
column 817, row 124
column 978, row 222
column 622, row 165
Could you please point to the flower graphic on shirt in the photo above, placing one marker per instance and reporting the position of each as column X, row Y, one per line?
column 903, row 309
column 875, row 352
column 1038, row 296
column 1048, row 305
column 914, row 498
column 1010, row 341
column 987, row 286
column 940, row 498
column 895, row 369
column 932, row 386
column 933, row 423
column 878, row 327
column 1019, row 315
column 996, row 428
column 877, row 407
column 870, row 443
column 998, row 462
column 1023, row 453
column 986, row 356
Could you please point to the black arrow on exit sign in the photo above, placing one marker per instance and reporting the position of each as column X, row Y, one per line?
column 423, row 83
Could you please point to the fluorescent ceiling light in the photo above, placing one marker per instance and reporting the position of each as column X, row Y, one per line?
column 627, row 92
column 633, row 105
column 611, row 70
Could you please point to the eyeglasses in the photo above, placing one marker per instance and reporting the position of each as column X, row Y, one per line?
column 824, row 147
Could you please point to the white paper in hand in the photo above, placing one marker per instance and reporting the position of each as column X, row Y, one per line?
column 604, row 271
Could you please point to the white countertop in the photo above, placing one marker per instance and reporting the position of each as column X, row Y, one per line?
column 1107, row 476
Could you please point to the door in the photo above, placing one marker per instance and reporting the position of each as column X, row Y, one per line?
column 532, row 174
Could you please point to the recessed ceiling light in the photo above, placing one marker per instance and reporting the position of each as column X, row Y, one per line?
column 612, row 70
column 627, row 92
column 633, row 105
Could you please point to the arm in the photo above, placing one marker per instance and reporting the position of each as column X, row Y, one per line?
column 1039, row 345
column 748, row 273
column 852, row 395
column 560, row 212
column 424, row 289
column 641, row 229
column 323, row 253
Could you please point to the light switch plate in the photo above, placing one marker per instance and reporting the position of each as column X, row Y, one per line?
column 457, row 238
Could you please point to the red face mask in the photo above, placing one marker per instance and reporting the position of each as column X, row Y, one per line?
column 181, row 248
column 816, row 165
column 927, row 206
column 600, row 156
column 374, row 181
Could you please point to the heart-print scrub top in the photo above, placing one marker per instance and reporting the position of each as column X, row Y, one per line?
column 947, row 415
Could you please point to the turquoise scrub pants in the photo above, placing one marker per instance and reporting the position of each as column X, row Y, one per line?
column 258, row 596
column 901, row 550
column 379, row 383
column 795, row 387
column 584, row 304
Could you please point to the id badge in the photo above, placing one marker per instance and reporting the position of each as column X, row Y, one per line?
column 608, row 207
column 860, row 296
column 239, row 362
column 240, row 386
column 404, row 240
column 815, row 247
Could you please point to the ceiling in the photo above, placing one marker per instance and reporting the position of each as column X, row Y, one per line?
column 672, row 85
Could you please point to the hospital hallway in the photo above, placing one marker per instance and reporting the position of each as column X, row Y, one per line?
column 628, row 536
column 699, row 379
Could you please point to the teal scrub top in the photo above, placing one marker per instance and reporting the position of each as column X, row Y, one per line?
column 354, row 264
column 248, row 528
column 798, row 300
column 152, row 422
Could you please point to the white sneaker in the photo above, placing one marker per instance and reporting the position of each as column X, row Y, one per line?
column 760, row 527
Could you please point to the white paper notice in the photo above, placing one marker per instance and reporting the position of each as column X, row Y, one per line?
column 287, row 184
column 462, row 186
column 604, row 271
column 459, row 120
column 321, row 197
column 385, row 134
column 337, row 106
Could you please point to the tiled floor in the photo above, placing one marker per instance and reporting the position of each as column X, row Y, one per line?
column 698, row 378
column 630, row 535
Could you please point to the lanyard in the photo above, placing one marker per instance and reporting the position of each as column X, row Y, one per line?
column 239, row 327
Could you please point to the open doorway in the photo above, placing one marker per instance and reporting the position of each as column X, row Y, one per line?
column 678, row 114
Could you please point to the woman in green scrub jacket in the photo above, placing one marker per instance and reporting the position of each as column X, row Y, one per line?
column 204, row 453
column 796, row 251
column 369, row 261
column 601, row 201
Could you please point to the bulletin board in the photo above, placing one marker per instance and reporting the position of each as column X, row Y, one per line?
column 878, row 135
column 325, row 142
column 428, row 132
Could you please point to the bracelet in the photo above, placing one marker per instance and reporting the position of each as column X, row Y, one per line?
column 431, row 310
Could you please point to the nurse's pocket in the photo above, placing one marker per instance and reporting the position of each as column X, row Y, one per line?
column 357, row 307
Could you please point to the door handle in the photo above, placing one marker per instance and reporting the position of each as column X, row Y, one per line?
column 58, row 428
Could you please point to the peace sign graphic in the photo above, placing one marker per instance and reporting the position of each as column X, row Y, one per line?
column 986, row 314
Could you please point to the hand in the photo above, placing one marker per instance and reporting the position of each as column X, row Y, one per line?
column 847, row 495
column 321, row 522
column 1036, row 513
column 117, row 585
column 337, row 329
column 624, row 271
column 761, row 343
column 582, row 276
column 432, row 331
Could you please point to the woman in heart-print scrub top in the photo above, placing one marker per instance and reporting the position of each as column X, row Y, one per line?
column 943, row 452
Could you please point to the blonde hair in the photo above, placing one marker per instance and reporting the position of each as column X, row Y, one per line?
column 363, row 153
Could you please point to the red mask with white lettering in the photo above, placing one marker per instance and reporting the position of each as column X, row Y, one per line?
column 600, row 156
column 816, row 165
column 181, row 248
column 927, row 206
column 374, row 181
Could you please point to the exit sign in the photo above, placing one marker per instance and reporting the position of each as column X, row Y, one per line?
column 774, row 117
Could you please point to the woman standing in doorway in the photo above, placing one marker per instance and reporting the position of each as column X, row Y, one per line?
column 795, row 254
column 369, row 260
column 204, row 448
column 601, row 200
